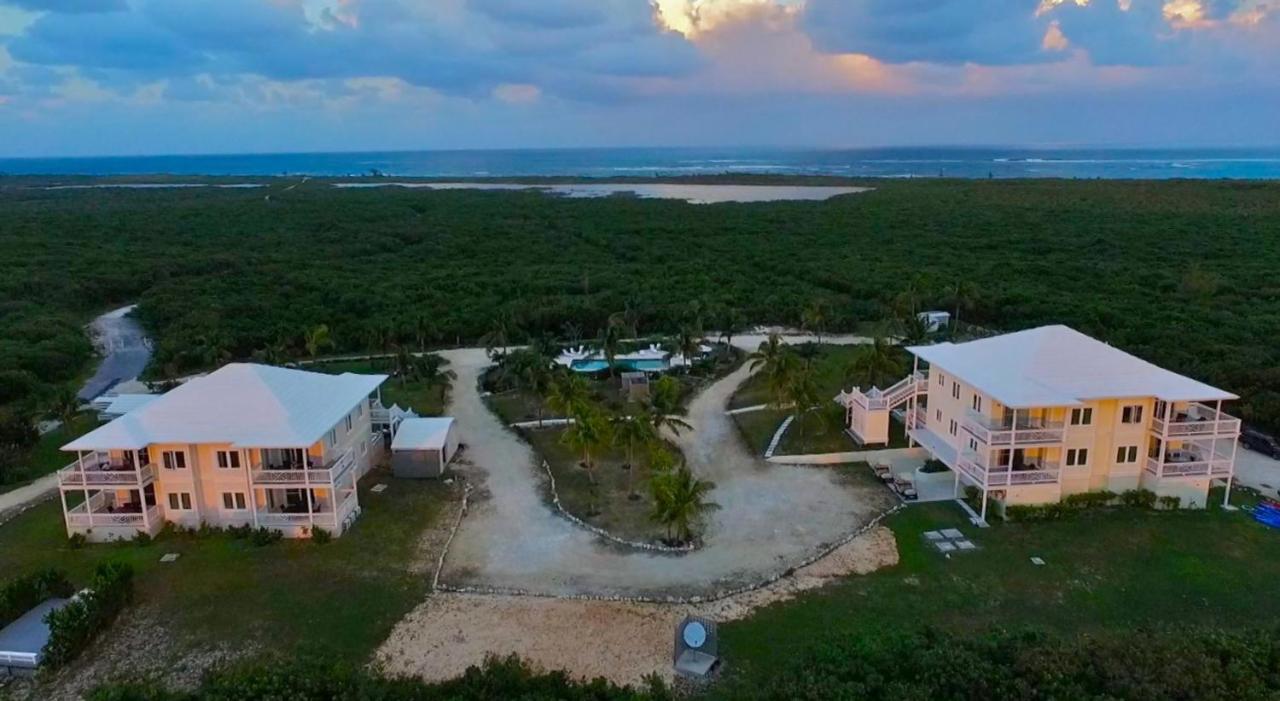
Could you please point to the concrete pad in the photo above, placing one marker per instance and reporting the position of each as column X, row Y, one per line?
column 944, row 546
column 952, row 533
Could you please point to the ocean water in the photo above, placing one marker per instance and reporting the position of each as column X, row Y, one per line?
column 640, row 163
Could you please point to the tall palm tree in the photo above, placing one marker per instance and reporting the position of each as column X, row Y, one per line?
column 430, row 369
column 767, row 354
column 961, row 295
column 664, row 395
column 629, row 432
column 800, row 391
column 610, row 341
column 423, row 331
column 572, row 332
column 535, row 377
column 814, row 318
column 670, row 422
column 914, row 328
column 589, row 433
column 875, row 365
column 731, row 323
column 66, row 406
column 680, row 502
column 688, row 341
column 568, row 394
column 316, row 339
column 499, row 336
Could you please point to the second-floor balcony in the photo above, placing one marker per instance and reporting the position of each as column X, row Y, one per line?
column 1024, row 432
column 321, row 513
column 1032, row 471
column 1193, row 460
column 1196, row 420
column 312, row 473
column 100, row 470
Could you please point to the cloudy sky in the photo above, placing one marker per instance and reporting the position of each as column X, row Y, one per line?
column 81, row 77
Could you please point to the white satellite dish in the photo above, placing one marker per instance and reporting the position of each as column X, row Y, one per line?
column 694, row 634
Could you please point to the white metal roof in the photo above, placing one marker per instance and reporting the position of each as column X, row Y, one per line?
column 246, row 405
column 1059, row 366
column 422, row 434
column 125, row 403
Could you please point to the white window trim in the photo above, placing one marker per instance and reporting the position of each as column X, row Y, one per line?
column 169, row 459
column 232, row 456
column 178, row 497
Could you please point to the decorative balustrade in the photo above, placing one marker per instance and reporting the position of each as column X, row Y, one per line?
column 1199, row 420
column 994, row 433
column 1039, row 472
column 317, row 476
column 82, row 517
column 103, row 474
column 1216, row 466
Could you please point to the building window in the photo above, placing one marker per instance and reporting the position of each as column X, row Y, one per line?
column 1082, row 417
column 973, row 444
column 349, row 424
column 179, row 501
column 364, row 449
column 1127, row 454
column 1131, row 414
column 955, row 390
column 977, row 402
column 942, row 380
column 174, row 459
column 229, row 459
column 360, row 409
column 953, row 427
column 939, row 416
column 333, row 436
column 234, row 501
column 1077, row 457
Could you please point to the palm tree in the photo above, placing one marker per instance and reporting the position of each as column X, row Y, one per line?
column 568, row 394
column 680, row 501
column 908, row 301
column 915, row 329
column 688, row 342
column 572, row 332
column 814, row 318
column 535, row 377
column 316, row 339
column 66, row 406
column 671, row 422
column 499, row 336
column 589, row 433
column 430, row 370
column 629, row 432
column 962, row 294
column 768, row 353
column 875, row 365
column 731, row 323
column 611, row 340
column 800, row 391
column 423, row 331
column 664, row 395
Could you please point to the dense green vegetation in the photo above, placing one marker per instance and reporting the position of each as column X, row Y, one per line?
column 1181, row 273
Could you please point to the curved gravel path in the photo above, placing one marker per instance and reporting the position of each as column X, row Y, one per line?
column 771, row 518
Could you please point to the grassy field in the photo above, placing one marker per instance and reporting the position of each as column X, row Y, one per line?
column 413, row 394
column 342, row 597
column 818, row 432
column 604, row 504
column 47, row 455
column 1109, row 569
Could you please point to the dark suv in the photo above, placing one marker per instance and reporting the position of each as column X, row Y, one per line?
column 1260, row 442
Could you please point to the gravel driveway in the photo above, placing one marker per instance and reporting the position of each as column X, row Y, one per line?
column 771, row 517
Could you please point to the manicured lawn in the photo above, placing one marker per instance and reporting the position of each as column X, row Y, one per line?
column 605, row 503
column 825, row 436
column 414, row 394
column 47, row 455
column 831, row 365
column 1119, row 568
column 342, row 597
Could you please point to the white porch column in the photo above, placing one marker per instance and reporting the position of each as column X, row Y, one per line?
column 88, row 505
column 142, row 500
column 66, row 516
column 1235, row 444
column 311, row 510
column 983, row 515
column 1164, row 439
column 911, row 415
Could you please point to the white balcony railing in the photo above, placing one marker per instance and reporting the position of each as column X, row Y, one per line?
column 104, row 474
column 996, row 433
column 1216, row 466
column 1037, row 472
column 317, row 476
column 1197, row 420
column 80, row 516
column 881, row 399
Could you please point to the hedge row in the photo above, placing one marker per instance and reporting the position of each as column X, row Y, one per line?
column 73, row 627
column 1204, row 665
column 24, row 593
column 1137, row 498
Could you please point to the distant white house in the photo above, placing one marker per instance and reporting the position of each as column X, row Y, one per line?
column 935, row 321
column 245, row 445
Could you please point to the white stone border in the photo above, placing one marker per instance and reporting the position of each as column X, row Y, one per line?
column 652, row 547
column 777, row 436
column 457, row 522
column 722, row 594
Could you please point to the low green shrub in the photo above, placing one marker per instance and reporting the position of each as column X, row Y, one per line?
column 1035, row 512
column 1144, row 498
column 77, row 540
column 73, row 627
column 933, row 465
column 1089, row 500
column 142, row 538
column 21, row 594
column 320, row 536
column 262, row 535
column 1170, row 502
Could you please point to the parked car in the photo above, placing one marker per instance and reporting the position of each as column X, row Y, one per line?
column 1261, row 443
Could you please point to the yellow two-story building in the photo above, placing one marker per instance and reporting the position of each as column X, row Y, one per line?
column 1033, row 416
column 245, row 445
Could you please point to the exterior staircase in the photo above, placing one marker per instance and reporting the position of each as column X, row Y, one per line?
column 867, row 412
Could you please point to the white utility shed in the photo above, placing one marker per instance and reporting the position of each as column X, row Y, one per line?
column 423, row 447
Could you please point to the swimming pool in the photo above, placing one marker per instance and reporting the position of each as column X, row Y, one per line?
column 600, row 365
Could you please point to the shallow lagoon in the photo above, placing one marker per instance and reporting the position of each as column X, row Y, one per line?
column 694, row 194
